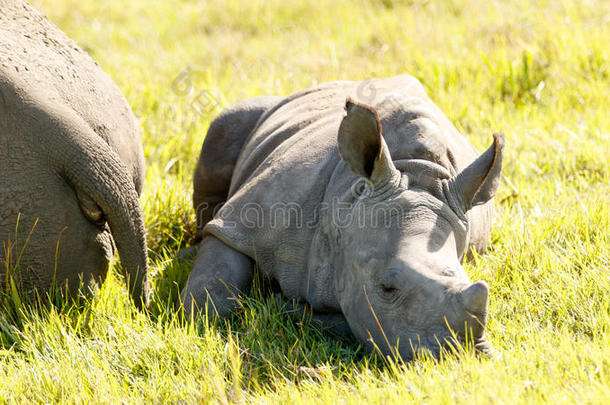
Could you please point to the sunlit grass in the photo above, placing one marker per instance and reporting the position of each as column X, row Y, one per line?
column 539, row 74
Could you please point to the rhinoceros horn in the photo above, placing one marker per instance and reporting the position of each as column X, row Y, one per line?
column 474, row 298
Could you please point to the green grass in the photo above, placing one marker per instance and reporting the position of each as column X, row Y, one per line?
column 541, row 75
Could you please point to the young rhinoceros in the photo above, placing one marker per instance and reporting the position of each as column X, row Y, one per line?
column 364, row 212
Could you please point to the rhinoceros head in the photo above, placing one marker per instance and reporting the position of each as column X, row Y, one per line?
column 398, row 277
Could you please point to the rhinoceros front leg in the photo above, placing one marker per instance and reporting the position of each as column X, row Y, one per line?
column 219, row 277
column 300, row 311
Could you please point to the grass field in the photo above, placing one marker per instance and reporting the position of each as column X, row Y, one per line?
column 541, row 75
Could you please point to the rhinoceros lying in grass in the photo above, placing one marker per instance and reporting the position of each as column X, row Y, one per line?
column 364, row 212
column 71, row 163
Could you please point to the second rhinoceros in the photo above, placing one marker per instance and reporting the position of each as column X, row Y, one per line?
column 361, row 207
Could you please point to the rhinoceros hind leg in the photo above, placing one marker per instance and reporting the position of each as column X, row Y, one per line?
column 222, row 145
column 219, row 277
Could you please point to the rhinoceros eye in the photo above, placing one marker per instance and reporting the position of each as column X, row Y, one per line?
column 388, row 290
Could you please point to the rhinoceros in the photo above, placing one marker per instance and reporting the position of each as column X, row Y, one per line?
column 71, row 164
column 359, row 200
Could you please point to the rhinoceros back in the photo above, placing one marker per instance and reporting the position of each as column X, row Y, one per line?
column 51, row 64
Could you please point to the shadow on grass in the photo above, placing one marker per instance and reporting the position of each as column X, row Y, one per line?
column 272, row 339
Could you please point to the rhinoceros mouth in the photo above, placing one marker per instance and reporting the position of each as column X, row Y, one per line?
column 439, row 348
column 481, row 346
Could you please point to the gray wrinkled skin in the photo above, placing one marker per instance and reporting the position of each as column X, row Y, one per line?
column 71, row 163
column 421, row 195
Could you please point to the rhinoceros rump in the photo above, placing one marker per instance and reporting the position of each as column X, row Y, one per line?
column 71, row 165
column 362, row 208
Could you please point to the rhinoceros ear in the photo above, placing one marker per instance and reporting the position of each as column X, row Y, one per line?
column 361, row 143
column 478, row 183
